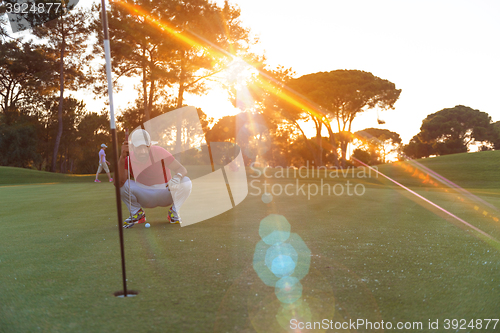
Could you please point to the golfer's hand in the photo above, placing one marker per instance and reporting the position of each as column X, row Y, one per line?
column 174, row 182
column 124, row 152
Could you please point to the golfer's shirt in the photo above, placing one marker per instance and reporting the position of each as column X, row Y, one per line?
column 154, row 171
column 102, row 156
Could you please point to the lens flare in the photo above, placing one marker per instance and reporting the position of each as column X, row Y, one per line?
column 478, row 233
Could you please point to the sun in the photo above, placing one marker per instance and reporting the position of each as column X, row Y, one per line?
column 215, row 102
column 238, row 72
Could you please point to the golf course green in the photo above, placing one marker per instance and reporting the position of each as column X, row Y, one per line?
column 397, row 251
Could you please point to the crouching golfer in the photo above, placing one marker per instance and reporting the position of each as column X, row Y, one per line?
column 153, row 185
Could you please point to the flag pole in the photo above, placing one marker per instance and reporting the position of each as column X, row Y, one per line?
column 107, row 54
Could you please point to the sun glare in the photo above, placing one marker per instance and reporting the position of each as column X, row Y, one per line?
column 215, row 103
column 239, row 72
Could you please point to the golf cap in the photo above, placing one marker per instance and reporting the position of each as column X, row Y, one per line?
column 104, row 146
column 141, row 137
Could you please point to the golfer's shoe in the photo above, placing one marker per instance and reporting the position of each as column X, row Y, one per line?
column 139, row 217
column 111, row 180
column 173, row 217
column 97, row 181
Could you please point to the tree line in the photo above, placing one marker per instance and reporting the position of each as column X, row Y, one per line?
column 454, row 130
column 176, row 47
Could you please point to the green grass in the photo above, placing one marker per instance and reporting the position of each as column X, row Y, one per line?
column 473, row 170
column 13, row 176
column 384, row 255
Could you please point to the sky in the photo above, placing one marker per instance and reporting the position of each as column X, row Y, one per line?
column 440, row 53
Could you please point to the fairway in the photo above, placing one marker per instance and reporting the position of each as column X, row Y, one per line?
column 384, row 255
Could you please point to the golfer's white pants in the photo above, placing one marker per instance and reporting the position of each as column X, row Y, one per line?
column 136, row 195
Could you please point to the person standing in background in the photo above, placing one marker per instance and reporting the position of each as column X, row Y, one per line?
column 103, row 164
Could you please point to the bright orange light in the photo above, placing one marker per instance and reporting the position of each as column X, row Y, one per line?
column 269, row 84
column 184, row 36
column 239, row 71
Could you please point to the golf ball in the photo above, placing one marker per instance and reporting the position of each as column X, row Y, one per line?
column 147, row 225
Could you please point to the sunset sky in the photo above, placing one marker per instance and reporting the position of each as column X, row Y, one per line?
column 441, row 53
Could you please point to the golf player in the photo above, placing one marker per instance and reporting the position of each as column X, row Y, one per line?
column 103, row 164
column 153, row 184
